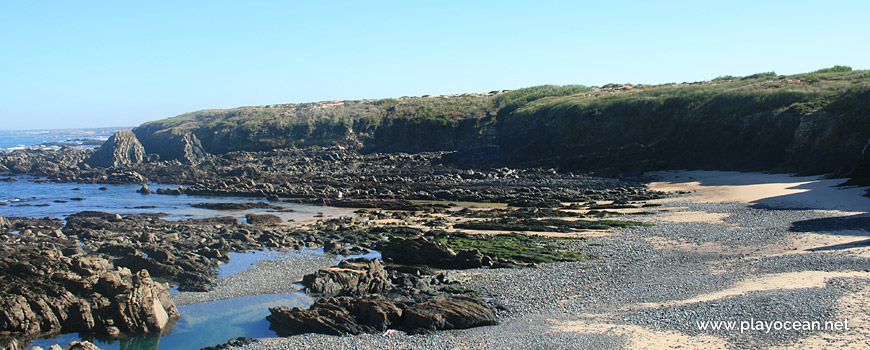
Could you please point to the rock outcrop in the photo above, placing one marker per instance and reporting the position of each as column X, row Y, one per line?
column 421, row 251
column 375, row 313
column 360, row 296
column 182, row 146
column 46, row 292
column 188, row 149
column 350, row 278
column 123, row 148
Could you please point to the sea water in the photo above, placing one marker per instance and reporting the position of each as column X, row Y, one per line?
column 11, row 140
column 29, row 197
column 202, row 324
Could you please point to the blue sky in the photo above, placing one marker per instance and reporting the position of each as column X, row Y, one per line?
column 91, row 64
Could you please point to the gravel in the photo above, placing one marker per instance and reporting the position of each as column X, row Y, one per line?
column 631, row 270
column 266, row 277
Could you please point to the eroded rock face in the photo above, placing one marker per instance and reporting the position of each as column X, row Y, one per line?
column 123, row 148
column 181, row 146
column 46, row 292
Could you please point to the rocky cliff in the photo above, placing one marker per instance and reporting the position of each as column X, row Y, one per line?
column 808, row 123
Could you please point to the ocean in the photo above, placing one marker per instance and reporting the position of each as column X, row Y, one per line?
column 11, row 140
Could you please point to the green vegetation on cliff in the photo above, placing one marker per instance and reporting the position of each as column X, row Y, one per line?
column 811, row 123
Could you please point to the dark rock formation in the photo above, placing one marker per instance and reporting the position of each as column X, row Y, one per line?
column 263, row 219
column 351, row 277
column 168, row 145
column 341, row 315
column 421, row 251
column 46, row 292
column 122, row 149
column 448, row 312
column 81, row 345
column 375, row 313
column 144, row 189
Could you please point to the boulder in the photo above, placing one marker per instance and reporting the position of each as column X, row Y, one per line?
column 144, row 189
column 448, row 312
column 122, row 149
column 263, row 219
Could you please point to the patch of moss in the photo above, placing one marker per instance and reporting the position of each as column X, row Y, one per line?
column 517, row 247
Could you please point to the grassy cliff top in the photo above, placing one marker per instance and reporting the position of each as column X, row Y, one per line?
column 824, row 85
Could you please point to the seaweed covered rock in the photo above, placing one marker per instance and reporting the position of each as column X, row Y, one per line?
column 123, row 148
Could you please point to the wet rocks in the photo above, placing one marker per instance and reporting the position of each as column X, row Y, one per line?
column 421, row 251
column 122, row 149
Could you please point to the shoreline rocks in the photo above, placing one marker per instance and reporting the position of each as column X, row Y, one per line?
column 46, row 292
column 421, row 251
column 375, row 313
column 360, row 296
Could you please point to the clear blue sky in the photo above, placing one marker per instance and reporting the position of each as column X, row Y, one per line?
column 120, row 63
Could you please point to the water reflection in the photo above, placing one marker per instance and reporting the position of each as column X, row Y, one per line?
column 204, row 324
